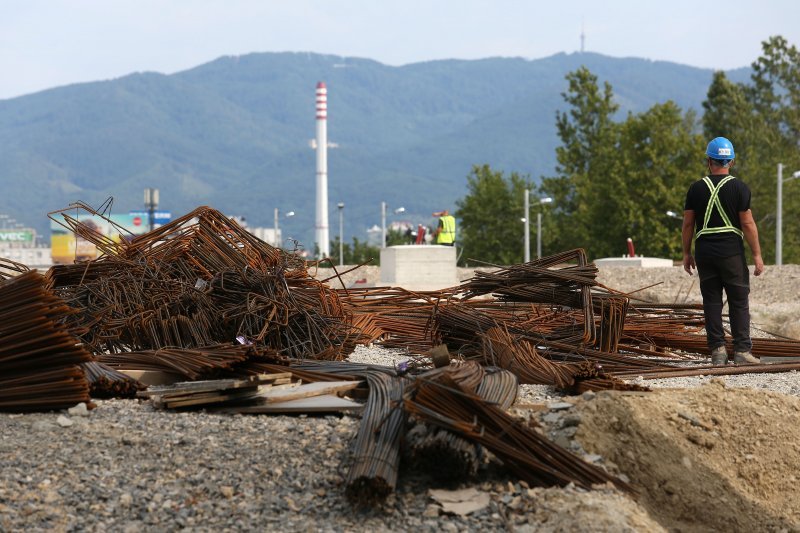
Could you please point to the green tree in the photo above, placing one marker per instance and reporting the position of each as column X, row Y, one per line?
column 618, row 179
column 490, row 228
column 587, row 132
column 356, row 253
column 362, row 252
column 661, row 155
column 762, row 118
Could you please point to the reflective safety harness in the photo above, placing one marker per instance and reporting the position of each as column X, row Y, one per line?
column 715, row 202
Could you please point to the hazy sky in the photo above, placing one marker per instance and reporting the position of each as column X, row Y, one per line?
column 46, row 43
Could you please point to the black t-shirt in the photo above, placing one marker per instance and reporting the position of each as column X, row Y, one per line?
column 735, row 198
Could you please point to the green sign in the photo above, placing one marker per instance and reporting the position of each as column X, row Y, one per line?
column 16, row 235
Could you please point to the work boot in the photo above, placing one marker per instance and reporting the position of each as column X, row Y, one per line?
column 745, row 357
column 719, row 356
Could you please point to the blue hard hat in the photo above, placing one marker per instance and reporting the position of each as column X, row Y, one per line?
column 720, row 149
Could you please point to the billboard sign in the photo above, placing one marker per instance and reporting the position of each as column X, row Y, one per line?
column 24, row 235
column 142, row 218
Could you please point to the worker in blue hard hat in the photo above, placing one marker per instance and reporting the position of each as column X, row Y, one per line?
column 717, row 214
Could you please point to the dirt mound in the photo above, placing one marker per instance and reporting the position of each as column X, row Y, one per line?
column 703, row 459
column 561, row 510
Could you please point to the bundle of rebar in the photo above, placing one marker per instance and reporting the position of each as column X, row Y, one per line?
column 105, row 382
column 538, row 282
column 520, row 357
column 443, row 454
column 198, row 363
column 443, row 402
column 394, row 317
column 374, row 469
column 39, row 360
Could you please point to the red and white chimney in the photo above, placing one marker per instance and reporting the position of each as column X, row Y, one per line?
column 321, row 235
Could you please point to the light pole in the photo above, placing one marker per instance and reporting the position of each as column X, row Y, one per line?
column 4, row 219
column 151, row 204
column 340, row 205
column 527, row 225
column 383, row 221
column 779, row 214
column 542, row 201
column 277, row 241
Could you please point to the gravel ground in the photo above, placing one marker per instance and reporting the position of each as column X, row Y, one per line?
column 128, row 467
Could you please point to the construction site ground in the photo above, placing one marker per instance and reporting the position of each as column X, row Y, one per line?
column 704, row 456
column 703, row 453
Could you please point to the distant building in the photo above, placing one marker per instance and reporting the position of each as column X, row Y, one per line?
column 374, row 236
column 19, row 245
column 268, row 235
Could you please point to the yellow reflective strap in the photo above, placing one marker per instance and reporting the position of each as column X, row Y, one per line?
column 713, row 202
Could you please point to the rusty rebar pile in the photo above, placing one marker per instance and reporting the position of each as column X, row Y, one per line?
column 561, row 320
column 198, row 281
column 539, row 282
column 39, row 359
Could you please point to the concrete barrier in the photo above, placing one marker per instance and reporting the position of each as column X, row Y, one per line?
column 643, row 262
column 419, row 267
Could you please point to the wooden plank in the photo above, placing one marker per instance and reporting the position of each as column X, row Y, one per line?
column 326, row 403
column 215, row 384
column 153, row 377
column 308, row 390
column 166, row 398
column 209, row 399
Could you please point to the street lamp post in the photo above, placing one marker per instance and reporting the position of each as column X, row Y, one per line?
column 277, row 241
column 527, row 225
column 383, row 224
column 779, row 214
column 151, row 204
column 383, row 221
column 542, row 201
column 340, row 205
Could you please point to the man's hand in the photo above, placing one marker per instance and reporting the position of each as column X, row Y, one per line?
column 759, row 269
column 689, row 265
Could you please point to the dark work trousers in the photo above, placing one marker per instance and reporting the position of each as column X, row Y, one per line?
column 731, row 274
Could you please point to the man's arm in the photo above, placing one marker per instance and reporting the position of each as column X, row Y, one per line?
column 438, row 229
column 687, row 232
column 751, row 236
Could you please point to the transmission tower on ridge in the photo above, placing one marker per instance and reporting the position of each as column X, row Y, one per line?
column 583, row 38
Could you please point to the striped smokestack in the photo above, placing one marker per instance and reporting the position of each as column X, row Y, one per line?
column 321, row 236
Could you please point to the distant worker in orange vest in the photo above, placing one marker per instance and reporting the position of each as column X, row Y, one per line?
column 445, row 234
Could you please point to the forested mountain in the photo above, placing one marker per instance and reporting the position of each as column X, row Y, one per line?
column 234, row 133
